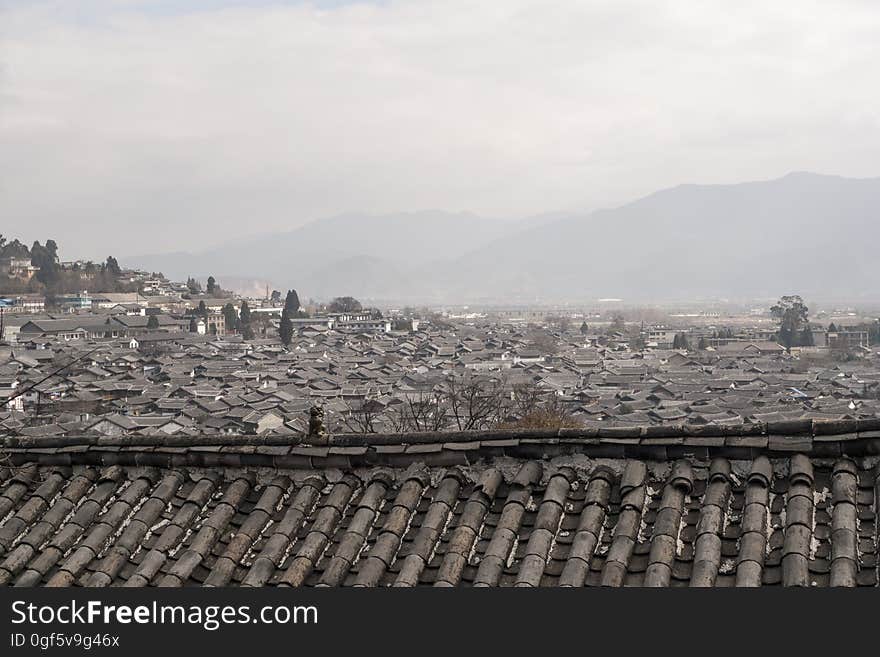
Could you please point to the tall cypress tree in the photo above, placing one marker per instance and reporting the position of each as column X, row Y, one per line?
column 291, row 302
column 786, row 337
column 285, row 329
column 230, row 316
column 244, row 321
column 807, row 337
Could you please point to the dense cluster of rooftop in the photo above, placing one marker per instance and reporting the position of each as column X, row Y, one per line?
column 121, row 377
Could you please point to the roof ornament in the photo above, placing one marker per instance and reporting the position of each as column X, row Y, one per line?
column 317, row 430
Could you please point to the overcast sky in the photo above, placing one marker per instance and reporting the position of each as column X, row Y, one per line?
column 132, row 127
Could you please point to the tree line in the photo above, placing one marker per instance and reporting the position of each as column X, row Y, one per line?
column 52, row 279
column 245, row 322
column 212, row 289
column 463, row 402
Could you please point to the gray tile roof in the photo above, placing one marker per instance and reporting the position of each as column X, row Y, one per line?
column 792, row 504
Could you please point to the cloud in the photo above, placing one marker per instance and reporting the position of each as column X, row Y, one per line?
column 138, row 126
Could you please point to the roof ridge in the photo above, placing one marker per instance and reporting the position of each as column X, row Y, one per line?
column 809, row 437
column 782, row 428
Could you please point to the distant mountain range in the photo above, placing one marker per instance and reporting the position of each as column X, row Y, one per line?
column 810, row 234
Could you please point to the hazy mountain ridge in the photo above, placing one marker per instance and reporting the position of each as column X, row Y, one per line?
column 312, row 255
column 809, row 233
column 805, row 232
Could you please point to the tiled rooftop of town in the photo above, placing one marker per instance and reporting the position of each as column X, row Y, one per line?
column 790, row 504
column 168, row 458
column 176, row 382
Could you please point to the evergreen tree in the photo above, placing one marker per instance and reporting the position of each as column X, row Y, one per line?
column 702, row 345
column 676, row 342
column 285, row 329
column 291, row 302
column 212, row 286
column 345, row 305
column 276, row 296
column 44, row 258
column 792, row 315
column 112, row 267
column 244, row 314
column 244, row 321
column 193, row 325
column 203, row 309
column 806, row 338
column 832, row 328
column 230, row 316
column 785, row 337
column 584, row 329
column 52, row 250
column 153, row 322
column 13, row 249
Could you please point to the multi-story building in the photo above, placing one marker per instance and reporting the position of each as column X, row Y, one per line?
column 847, row 339
column 15, row 267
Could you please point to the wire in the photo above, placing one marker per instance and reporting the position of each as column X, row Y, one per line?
column 49, row 376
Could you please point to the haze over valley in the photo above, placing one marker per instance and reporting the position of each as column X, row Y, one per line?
column 743, row 241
